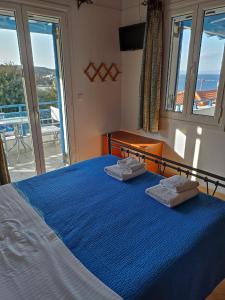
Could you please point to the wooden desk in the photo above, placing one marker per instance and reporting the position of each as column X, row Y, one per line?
column 147, row 144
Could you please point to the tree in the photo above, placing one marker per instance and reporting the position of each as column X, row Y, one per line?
column 11, row 85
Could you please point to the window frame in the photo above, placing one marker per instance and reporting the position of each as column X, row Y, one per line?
column 197, row 11
column 170, row 63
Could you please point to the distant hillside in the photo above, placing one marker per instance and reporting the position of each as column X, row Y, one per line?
column 11, row 85
column 42, row 71
column 44, row 76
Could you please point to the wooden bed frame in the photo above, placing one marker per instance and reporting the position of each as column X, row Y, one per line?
column 163, row 163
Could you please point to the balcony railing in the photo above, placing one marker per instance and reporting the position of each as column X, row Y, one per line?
column 20, row 110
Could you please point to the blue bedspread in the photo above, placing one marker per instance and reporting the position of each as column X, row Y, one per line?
column 135, row 245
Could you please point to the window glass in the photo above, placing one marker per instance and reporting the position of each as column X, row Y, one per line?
column 15, row 129
column 48, row 68
column 178, row 66
column 210, row 63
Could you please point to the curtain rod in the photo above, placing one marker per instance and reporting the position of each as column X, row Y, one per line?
column 80, row 2
column 145, row 2
column 150, row 2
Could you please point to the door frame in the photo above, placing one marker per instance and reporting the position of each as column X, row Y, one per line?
column 67, row 84
column 16, row 9
column 22, row 10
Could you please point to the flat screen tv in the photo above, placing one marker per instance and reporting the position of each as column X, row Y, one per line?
column 132, row 37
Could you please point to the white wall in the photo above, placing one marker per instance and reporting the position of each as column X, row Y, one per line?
column 97, row 105
column 173, row 132
column 132, row 12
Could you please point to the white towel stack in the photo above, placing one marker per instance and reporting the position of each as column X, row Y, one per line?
column 179, row 183
column 126, row 169
column 174, row 190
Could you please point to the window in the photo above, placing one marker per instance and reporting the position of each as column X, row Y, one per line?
column 210, row 63
column 195, row 75
column 180, row 42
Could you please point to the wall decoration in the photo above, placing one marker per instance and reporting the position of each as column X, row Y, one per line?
column 113, row 72
column 103, row 72
column 91, row 71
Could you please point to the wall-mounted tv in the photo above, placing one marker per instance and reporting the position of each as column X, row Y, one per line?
column 132, row 37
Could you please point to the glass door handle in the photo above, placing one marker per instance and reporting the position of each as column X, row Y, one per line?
column 24, row 87
column 194, row 68
column 37, row 113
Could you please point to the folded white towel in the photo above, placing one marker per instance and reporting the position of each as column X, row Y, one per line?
column 130, row 163
column 179, row 183
column 122, row 174
column 168, row 197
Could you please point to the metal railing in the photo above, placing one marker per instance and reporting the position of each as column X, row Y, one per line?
column 20, row 110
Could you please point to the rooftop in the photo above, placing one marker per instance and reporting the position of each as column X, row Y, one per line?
column 199, row 96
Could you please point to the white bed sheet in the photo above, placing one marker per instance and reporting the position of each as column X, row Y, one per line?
column 34, row 262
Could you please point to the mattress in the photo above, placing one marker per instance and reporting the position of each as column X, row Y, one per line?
column 136, row 246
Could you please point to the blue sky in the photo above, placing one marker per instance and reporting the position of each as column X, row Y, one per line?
column 211, row 54
column 43, row 51
column 42, row 45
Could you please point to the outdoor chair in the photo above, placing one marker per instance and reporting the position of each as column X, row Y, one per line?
column 53, row 128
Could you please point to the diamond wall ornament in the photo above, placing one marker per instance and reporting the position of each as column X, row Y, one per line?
column 113, row 72
column 103, row 72
column 91, row 71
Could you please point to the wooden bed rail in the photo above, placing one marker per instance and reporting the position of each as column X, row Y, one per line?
column 163, row 163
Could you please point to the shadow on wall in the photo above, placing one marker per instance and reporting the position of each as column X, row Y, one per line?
column 184, row 146
column 181, row 143
column 191, row 144
column 193, row 149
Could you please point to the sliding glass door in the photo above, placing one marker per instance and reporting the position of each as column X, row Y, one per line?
column 45, row 37
column 32, row 97
column 15, row 127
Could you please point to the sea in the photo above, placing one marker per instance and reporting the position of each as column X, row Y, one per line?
column 205, row 82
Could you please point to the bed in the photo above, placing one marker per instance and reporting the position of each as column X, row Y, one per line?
column 133, row 245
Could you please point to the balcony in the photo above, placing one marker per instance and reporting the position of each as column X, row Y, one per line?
column 16, row 135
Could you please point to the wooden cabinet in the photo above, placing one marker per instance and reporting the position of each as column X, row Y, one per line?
column 149, row 145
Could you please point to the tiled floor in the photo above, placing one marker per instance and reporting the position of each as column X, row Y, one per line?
column 23, row 166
